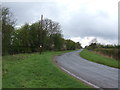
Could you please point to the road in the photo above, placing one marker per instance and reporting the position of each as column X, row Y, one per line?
column 99, row 76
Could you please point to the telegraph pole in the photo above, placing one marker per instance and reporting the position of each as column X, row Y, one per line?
column 41, row 44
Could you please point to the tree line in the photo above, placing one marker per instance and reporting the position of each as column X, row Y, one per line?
column 111, row 51
column 43, row 35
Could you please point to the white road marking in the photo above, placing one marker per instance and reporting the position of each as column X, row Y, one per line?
column 79, row 77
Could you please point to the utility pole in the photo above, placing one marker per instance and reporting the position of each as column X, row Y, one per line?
column 41, row 28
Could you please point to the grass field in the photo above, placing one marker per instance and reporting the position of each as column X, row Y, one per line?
column 89, row 55
column 36, row 71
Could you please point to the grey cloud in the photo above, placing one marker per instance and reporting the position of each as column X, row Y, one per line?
column 98, row 25
column 31, row 12
column 75, row 24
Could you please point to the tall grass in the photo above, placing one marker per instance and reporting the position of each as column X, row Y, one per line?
column 110, row 52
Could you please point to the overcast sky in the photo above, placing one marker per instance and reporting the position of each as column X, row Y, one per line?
column 81, row 20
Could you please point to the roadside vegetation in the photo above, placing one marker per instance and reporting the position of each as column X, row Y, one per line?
column 43, row 35
column 103, row 54
column 109, row 52
column 36, row 71
column 92, row 56
column 28, row 52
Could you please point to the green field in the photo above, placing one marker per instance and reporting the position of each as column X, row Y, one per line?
column 36, row 71
column 89, row 55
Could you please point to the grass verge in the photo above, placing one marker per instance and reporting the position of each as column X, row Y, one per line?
column 91, row 56
column 36, row 71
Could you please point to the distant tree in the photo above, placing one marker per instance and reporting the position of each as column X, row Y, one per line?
column 51, row 27
column 25, row 38
column 58, row 41
column 93, row 44
column 8, row 23
column 53, row 32
column 78, row 45
column 15, row 42
column 34, row 37
column 42, row 35
column 71, row 45
column 94, row 40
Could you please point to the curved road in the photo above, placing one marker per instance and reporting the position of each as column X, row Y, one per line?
column 99, row 76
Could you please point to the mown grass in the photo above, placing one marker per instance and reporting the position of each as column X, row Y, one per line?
column 92, row 56
column 36, row 71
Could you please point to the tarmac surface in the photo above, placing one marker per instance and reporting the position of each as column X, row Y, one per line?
column 98, row 75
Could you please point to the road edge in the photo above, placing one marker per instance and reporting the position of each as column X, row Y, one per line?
column 71, row 74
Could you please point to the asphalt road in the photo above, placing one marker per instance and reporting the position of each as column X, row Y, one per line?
column 98, row 75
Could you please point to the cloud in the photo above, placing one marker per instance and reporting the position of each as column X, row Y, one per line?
column 85, row 41
column 79, row 19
